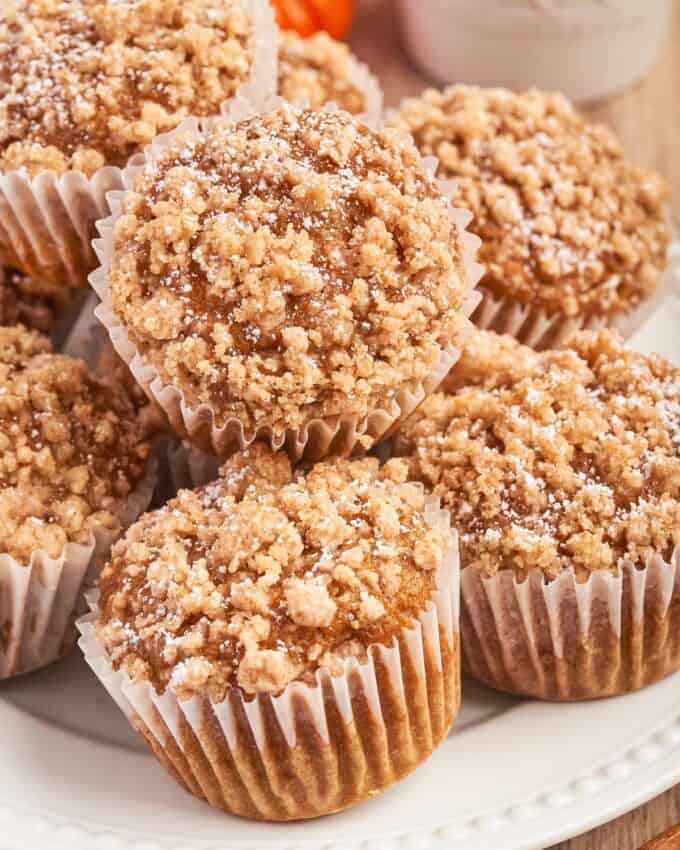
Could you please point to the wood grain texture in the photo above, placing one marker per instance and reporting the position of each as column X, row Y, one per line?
column 647, row 119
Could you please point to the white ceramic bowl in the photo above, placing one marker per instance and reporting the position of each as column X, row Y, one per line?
column 585, row 48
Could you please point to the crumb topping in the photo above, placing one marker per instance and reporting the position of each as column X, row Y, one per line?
column 267, row 574
column 566, row 221
column 21, row 304
column 70, row 454
column 294, row 265
column 489, row 359
column 84, row 83
column 151, row 419
column 572, row 458
column 317, row 70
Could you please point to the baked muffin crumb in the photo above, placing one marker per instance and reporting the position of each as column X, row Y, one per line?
column 566, row 221
column 70, row 453
column 268, row 574
column 571, row 459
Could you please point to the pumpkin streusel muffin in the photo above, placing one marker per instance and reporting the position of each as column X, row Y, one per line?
column 573, row 235
column 562, row 477
column 85, row 84
column 294, row 276
column 73, row 473
column 318, row 70
column 300, row 628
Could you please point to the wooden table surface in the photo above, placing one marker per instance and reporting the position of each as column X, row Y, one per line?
column 647, row 119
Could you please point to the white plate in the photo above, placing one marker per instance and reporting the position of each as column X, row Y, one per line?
column 512, row 776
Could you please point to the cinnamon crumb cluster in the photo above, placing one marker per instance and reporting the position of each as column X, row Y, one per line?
column 489, row 360
column 70, row 453
column 86, row 83
column 566, row 221
column 318, row 70
column 294, row 265
column 151, row 419
column 267, row 574
column 20, row 303
column 571, row 459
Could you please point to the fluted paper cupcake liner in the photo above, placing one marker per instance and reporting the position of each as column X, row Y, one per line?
column 40, row 600
column 314, row 749
column 47, row 220
column 570, row 640
column 319, row 437
column 541, row 329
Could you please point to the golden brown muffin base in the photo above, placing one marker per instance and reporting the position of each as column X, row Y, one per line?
column 553, row 657
column 275, row 782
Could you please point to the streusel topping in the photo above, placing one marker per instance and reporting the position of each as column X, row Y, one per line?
column 20, row 304
column 572, row 460
column 294, row 265
column 489, row 359
column 318, row 70
column 84, row 83
column 70, row 453
column 151, row 419
column 267, row 575
column 566, row 221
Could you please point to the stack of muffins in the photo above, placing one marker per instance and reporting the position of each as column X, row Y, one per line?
column 286, row 284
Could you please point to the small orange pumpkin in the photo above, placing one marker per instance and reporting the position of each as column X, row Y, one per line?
column 309, row 16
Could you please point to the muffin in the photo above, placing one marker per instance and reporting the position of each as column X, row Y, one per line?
column 563, row 480
column 318, row 70
column 300, row 629
column 293, row 276
column 74, row 472
column 114, row 370
column 63, row 140
column 573, row 235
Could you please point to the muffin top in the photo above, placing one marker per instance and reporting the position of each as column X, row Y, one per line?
column 294, row 265
column 70, row 453
column 489, row 359
column 572, row 459
column 85, row 83
column 566, row 222
column 267, row 575
column 318, row 70
column 20, row 304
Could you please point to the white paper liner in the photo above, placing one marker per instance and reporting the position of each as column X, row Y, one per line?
column 534, row 326
column 47, row 220
column 320, row 437
column 315, row 748
column 39, row 601
column 189, row 467
column 570, row 640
